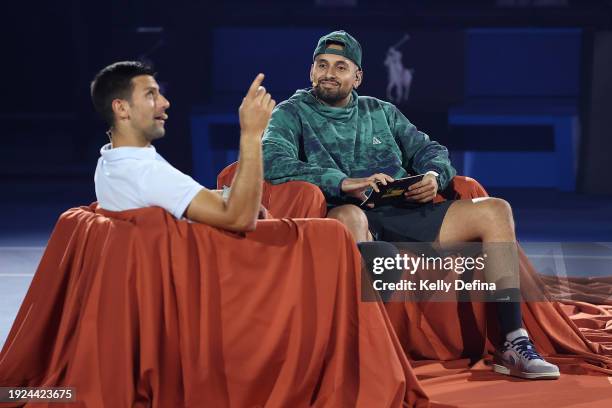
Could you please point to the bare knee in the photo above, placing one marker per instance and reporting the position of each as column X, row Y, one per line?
column 497, row 213
column 349, row 215
column 498, row 209
column 353, row 218
column 484, row 219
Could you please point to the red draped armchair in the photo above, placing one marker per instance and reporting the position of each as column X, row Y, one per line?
column 466, row 332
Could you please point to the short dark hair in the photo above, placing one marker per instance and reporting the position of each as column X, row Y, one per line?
column 115, row 81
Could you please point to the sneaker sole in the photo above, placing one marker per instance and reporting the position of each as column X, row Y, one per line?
column 500, row 369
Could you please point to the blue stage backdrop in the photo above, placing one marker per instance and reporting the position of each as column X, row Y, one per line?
column 504, row 100
column 519, row 124
column 428, row 67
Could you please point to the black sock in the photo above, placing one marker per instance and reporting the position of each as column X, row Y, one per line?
column 508, row 312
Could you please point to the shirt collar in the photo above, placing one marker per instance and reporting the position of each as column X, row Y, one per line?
column 119, row 153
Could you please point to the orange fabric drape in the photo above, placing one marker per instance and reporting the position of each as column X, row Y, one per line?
column 294, row 199
column 449, row 344
column 136, row 309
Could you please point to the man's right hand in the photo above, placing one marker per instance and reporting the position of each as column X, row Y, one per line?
column 256, row 109
column 355, row 187
column 240, row 211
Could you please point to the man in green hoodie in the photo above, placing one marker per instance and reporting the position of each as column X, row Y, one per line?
column 345, row 144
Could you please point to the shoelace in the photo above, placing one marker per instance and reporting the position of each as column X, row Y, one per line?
column 525, row 348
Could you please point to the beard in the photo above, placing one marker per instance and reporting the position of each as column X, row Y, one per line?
column 330, row 96
column 154, row 132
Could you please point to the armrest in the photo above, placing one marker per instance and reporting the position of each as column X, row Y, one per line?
column 294, row 199
column 462, row 188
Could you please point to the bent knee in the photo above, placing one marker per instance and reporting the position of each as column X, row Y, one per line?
column 500, row 206
column 349, row 215
column 497, row 209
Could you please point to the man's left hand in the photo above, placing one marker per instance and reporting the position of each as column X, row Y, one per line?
column 424, row 191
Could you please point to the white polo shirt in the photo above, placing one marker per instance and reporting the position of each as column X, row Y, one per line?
column 137, row 177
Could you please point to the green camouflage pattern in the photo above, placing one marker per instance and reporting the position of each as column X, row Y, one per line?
column 309, row 141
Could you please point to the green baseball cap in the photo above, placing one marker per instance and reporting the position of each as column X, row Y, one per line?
column 351, row 49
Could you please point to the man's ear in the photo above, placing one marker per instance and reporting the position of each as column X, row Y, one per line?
column 358, row 78
column 121, row 108
column 311, row 73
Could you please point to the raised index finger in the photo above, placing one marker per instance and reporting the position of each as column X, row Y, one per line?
column 255, row 85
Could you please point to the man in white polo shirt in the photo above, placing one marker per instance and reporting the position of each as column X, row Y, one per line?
column 131, row 174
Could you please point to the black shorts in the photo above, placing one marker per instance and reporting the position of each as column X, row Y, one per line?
column 408, row 223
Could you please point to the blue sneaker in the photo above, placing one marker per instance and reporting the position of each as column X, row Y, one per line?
column 519, row 358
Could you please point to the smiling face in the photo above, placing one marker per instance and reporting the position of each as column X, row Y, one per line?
column 144, row 114
column 334, row 77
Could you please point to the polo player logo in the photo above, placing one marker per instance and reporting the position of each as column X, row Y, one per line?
column 400, row 77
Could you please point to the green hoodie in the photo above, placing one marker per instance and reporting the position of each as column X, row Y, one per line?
column 310, row 141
